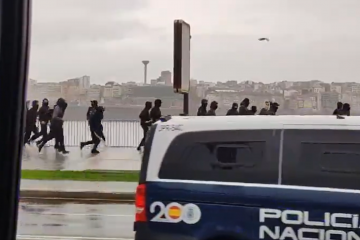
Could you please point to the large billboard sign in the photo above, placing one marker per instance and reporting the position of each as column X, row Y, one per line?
column 181, row 70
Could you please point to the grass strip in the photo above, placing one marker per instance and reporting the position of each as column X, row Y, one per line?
column 100, row 176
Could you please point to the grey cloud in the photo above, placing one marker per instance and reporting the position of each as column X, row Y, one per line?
column 83, row 30
column 85, row 20
column 87, row 6
column 309, row 39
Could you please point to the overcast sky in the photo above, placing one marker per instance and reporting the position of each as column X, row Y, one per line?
column 108, row 39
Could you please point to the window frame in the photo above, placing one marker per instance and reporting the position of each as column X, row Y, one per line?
column 306, row 172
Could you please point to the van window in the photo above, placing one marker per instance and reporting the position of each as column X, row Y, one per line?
column 322, row 158
column 249, row 156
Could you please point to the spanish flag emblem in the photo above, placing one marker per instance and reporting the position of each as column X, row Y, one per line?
column 174, row 212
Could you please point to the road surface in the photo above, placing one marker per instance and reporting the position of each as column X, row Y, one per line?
column 75, row 222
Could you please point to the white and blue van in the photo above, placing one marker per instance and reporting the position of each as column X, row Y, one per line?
column 250, row 178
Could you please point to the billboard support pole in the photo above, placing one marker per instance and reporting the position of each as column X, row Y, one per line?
column 186, row 104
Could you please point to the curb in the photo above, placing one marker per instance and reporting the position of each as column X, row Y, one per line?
column 80, row 195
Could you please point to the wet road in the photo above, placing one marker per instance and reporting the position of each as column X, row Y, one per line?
column 75, row 222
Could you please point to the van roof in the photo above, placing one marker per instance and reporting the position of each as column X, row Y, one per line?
column 206, row 123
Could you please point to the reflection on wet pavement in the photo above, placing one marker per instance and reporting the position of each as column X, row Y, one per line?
column 75, row 220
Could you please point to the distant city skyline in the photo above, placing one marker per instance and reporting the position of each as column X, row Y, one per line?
column 108, row 39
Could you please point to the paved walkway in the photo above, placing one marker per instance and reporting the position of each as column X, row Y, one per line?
column 78, row 186
column 80, row 160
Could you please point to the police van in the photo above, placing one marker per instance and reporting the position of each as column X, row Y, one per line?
column 250, row 177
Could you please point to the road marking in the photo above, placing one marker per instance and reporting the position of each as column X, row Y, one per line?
column 40, row 237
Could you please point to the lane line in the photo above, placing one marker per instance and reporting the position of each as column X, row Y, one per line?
column 40, row 237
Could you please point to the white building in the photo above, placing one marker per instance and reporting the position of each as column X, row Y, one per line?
column 112, row 90
column 335, row 88
column 94, row 92
column 51, row 91
column 84, row 82
column 355, row 88
column 318, row 89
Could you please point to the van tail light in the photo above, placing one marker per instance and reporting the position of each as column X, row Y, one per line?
column 140, row 203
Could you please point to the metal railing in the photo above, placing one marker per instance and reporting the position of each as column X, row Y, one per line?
column 118, row 133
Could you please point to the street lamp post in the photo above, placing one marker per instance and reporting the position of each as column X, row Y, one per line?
column 145, row 62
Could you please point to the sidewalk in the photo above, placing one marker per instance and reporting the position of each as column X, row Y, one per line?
column 119, row 191
column 80, row 160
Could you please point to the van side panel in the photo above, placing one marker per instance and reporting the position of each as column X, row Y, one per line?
column 235, row 210
column 265, row 184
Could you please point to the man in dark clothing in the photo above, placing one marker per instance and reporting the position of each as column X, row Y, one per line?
column 346, row 109
column 44, row 119
column 56, row 127
column 243, row 110
column 233, row 110
column 96, row 129
column 30, row 125
column 91, row 109
column 213, row 107
column 273, row 108
column 155, row 113
column 339, row 108
column 59, row 137
column 145, row 122
column 202, row 109
column 264, row 110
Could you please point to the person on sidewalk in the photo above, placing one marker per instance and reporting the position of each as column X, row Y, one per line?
column 96, row 129
column 155, row 113
column 145, row 122
column 339, row 109
column 91, row 110
column 346, row 109
column 213, row 107
column 30, row 125
column 233, row 110
column 202, row 109
column 243, row 110
column 265, row 109
column 44, row 119
column 56, row 127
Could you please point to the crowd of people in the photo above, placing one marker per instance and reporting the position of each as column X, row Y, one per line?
column 342, row 109
column 46, row 115
column 53, row 117
column 148, row 116
column 270, row 108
